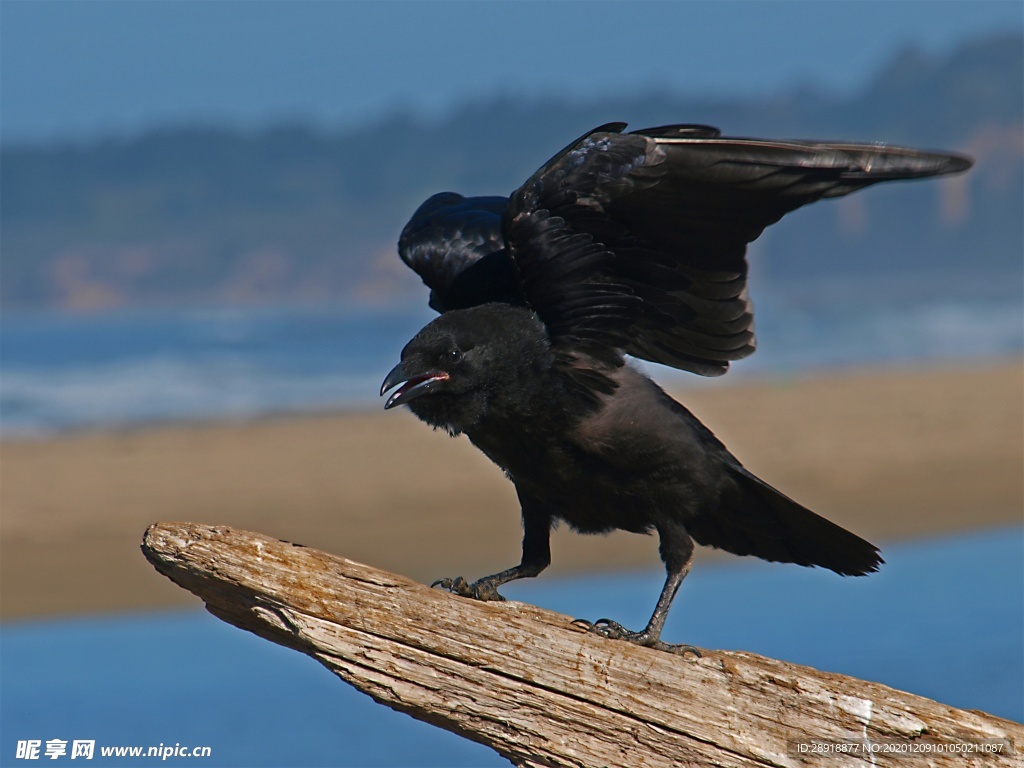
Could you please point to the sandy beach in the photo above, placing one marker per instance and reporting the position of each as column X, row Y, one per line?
column 889, row 454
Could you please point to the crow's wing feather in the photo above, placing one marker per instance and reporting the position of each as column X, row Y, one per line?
column 455, row 245
column 636, row 243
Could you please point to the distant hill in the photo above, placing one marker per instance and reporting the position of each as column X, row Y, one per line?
column 198, row 215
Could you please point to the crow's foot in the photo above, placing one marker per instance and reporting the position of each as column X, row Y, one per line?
column 615, row 631
column 478, row 590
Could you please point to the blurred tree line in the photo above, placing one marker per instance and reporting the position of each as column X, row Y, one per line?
column 203, row 215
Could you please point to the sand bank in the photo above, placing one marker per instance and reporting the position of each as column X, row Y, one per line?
column 889, row 454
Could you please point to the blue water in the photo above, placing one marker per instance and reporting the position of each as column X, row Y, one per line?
column 62, row 372
column 943, row 618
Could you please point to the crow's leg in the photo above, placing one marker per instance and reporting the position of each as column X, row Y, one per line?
column 536, row 557
column 676, row 549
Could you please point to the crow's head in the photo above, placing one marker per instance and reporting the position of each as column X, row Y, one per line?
column 466, row 362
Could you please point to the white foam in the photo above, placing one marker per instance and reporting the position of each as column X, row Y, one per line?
column 34, row 402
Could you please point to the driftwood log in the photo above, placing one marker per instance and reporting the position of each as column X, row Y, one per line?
column 543, row 692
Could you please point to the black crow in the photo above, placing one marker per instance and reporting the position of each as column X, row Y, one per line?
column 621, row 244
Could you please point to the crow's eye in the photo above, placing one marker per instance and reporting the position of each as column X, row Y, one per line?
column 454, row 355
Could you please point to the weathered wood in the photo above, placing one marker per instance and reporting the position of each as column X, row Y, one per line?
column 543, row 692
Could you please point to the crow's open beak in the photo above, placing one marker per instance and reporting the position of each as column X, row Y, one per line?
column 411, row 386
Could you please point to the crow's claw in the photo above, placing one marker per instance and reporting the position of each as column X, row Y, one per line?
column 615, row 631
column 478, row 590
column 451, row 585
column 681, row 649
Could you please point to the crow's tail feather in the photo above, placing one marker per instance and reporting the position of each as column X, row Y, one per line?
column 755, row 519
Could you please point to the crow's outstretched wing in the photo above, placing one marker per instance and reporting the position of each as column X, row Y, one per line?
column 636, row 242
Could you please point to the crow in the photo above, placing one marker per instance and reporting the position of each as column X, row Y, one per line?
column 621, row 245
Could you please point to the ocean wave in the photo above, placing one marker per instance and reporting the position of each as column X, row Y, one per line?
column 62, row 372
column 38, row 402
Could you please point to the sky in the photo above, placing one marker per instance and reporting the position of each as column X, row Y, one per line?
column 93, row 68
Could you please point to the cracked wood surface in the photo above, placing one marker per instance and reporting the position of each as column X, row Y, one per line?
column 542, row 692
